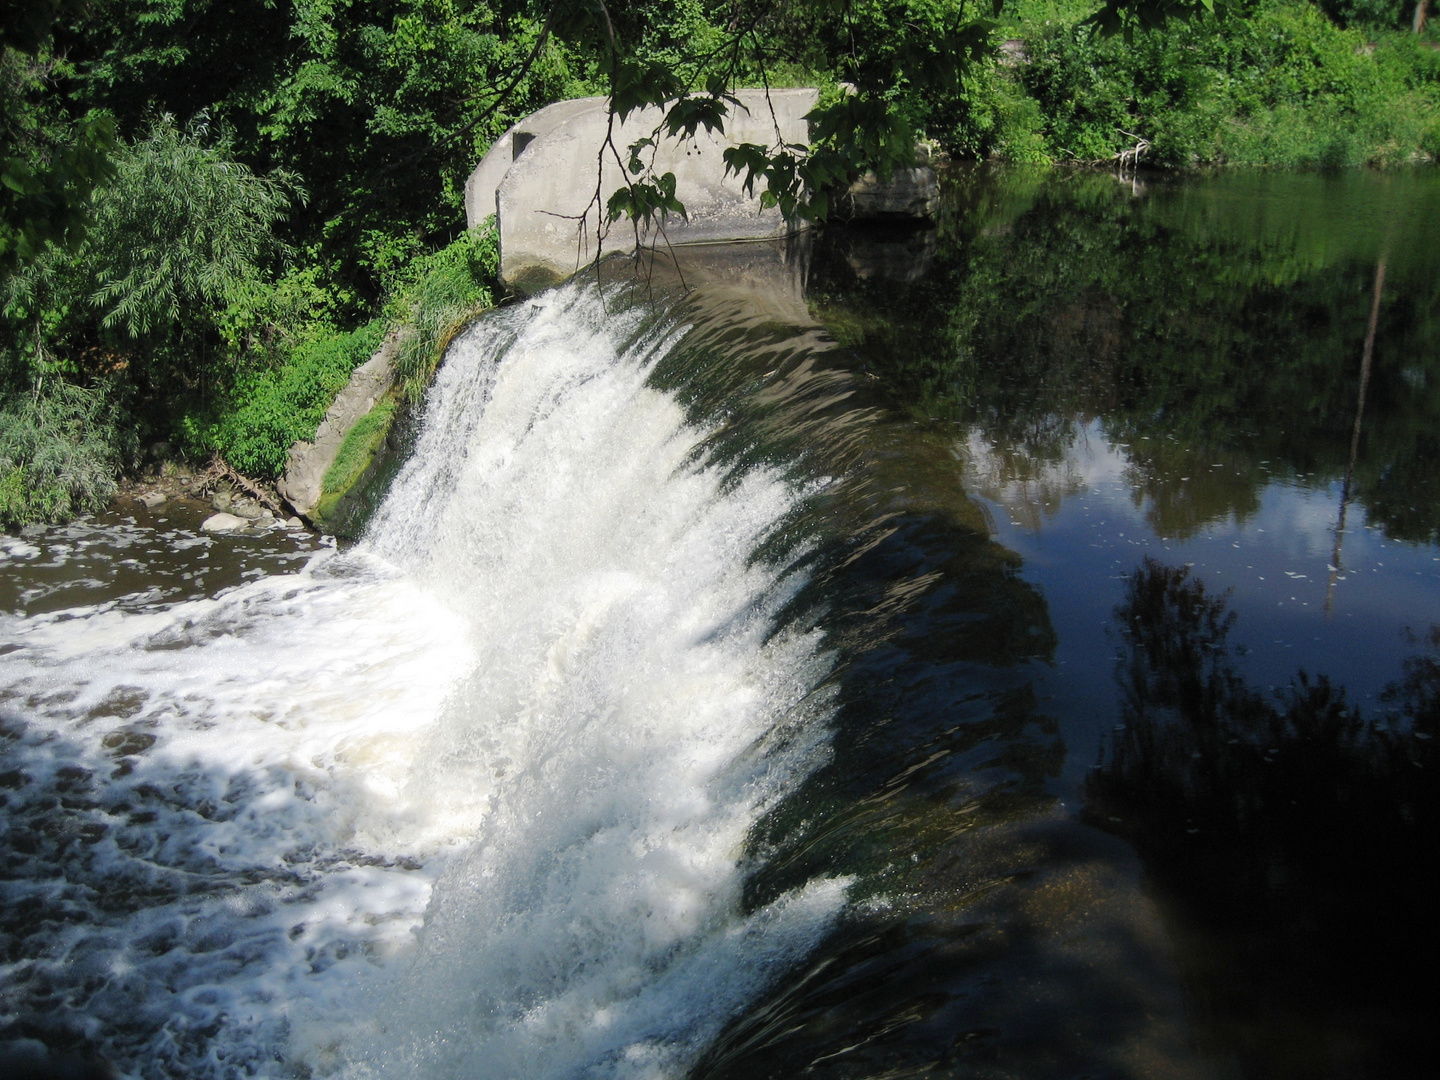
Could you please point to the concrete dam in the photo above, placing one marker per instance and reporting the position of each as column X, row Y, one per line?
column 547, row 179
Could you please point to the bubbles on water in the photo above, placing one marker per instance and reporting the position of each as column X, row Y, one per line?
column 474, row 795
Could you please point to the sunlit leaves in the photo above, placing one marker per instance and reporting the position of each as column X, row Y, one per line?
column 179, row 227
column 636, row 84
column 648, row 201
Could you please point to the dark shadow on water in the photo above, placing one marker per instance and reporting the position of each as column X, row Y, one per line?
column 988, row 931
column 1290, row 840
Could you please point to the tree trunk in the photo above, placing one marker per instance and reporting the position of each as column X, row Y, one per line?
column 1422, row 13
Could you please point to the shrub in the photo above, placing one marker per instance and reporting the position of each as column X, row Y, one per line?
column 61, row 447
column 179, row 238
column 271, row 409
column 179, row 227
column 439, row 295
column 1276, row 84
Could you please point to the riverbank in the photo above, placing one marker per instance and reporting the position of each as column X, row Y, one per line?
column 238, row 341
column 1270, row 83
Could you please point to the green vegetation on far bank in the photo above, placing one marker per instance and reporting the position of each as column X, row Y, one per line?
column 169, row 322
column 210, row 214
column 1263, row 83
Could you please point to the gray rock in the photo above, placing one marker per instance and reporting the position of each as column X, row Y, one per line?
column 247, row 508
column 294, row 523
column 542, row 190
column 309, row 462
column 151, row 499
column 222, row 499
column 217, row 523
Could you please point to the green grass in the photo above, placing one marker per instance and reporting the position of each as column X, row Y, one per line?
column 275, row 407
column 440, row 294
column 362, row 443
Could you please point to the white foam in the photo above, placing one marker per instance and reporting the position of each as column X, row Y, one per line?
column 471, row 799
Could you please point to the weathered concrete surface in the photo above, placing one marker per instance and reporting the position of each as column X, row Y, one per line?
column 766, row 278
column 909, row 193
column 485, row 180
column 309, row 461
column 550, row 224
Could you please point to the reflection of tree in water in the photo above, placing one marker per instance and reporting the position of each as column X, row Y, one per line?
column 1290, row 838
column 1214, row 329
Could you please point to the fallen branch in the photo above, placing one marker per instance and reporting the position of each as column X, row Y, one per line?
column 1132, row 156
column 221, row 470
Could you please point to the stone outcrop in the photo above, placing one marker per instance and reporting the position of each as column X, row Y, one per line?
column 224, row 523
column 303, row 483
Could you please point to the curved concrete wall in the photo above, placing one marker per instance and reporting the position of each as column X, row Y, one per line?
column 480, row 188
column 544, row 195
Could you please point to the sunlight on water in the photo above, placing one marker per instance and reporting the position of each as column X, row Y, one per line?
column 473, row 795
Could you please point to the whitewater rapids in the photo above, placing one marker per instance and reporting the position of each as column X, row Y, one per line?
column 471, row 798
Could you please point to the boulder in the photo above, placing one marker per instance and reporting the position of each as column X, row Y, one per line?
column 218, row 523
column 151, row 499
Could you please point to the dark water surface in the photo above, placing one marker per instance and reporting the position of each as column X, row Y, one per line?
column 1199, row 613
column 1127, row 568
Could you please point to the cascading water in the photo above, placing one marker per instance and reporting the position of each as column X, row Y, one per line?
column 469, row 799
column 718, row 696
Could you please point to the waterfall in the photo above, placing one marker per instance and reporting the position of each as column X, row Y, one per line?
column 471, row 798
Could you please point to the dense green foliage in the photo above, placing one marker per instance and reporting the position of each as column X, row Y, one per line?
column 177, row 236
column 271, row 405
column 49, row 163
column 435, row 297
column 1273, row 82
column 269, row 409
column 257, row 176
column 60, row 450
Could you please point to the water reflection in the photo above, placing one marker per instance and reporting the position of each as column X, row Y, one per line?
column 1290, row 835
column 1175, row 376
column 1216, row 326
column 987, row 929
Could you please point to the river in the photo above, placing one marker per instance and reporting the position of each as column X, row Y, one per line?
column 1007, row 648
